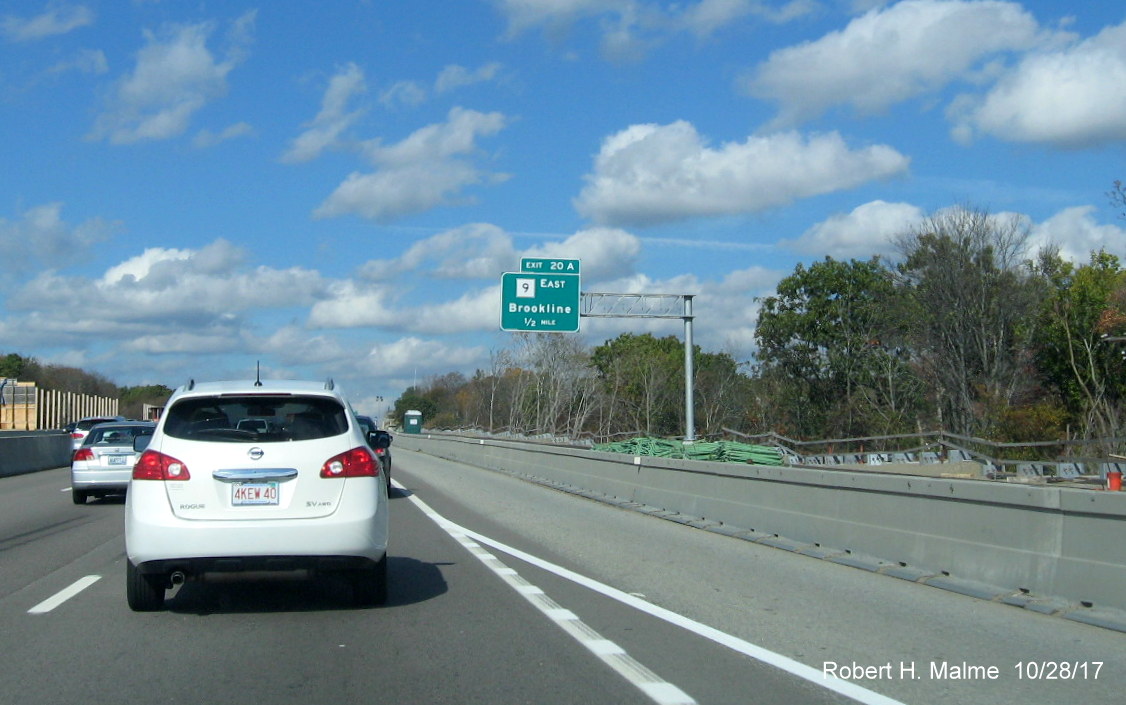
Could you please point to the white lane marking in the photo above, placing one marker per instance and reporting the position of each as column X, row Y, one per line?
column 65, row 594
column 785, row 663
column 614, row 656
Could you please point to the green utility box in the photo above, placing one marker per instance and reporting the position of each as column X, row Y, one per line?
column 412, row 422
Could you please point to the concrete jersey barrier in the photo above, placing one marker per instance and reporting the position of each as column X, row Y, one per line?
column 31, row 451
column 1036, row 540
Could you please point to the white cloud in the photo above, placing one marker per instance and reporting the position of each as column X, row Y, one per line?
column 889, row 55
column 788, row 11
column 89, row 61
column 474, row 311
column 454, row 76
column 409, row 93
column 724, row 310
column 867, row 230
column 870, row 229
column 207, row 138
column 649, row 174
column 176, row 75
column 604, row 252
column 629, row 28
column 354, row 305
column 58, row 18
column 476, row 251
column 333, row 119
column 451, row 77
column 1074, row 97
column 861, row 6
column 455, row 137
column 706, row 17
column 42, row 234
column 140, row 267
column 351, row 304
column 390, row 194
column 195, row 341
column 296, row 345
column 429, row 168
column 482, row 251
column 167, row 289
column 526, row 14
column 702, row 18
column 729, row 307
column 1076, row 234
column 411, row 354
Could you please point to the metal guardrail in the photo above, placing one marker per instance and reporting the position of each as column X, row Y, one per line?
column 943, row 446
column 929, row 448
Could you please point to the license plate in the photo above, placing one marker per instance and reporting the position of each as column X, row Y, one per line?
column 254, row 493
column 119, row 459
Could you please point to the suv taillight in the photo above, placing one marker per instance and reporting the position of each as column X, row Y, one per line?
column 357, row 462
column 158, row 466
column 83, row 454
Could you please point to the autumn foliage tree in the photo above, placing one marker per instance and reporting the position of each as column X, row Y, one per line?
column 1081, row 340
column 965, row 274
column 833, row 333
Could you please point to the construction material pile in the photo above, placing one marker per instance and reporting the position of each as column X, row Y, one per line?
column 720, row 451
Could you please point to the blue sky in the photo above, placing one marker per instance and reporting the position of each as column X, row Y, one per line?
column 335, row 188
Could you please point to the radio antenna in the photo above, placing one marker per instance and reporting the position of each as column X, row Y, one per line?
column 258, row 377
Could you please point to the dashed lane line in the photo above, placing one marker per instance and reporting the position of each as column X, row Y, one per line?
column 65, row 594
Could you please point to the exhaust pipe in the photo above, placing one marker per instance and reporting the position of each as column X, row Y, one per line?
column 177, row 578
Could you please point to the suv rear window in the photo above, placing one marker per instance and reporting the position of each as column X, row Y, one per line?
column 256, row 418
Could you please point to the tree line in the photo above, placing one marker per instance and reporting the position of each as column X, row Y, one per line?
column 72, row 379
column 965, row 331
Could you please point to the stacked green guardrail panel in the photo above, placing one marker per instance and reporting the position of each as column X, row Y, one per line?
column 721, row 451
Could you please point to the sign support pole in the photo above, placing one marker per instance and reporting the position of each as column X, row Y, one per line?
column 689, row 391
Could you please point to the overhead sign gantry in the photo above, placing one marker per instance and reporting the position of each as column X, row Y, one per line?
column 542, row 297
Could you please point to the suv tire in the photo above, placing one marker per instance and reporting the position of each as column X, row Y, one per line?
column 145, row 593
column 369, row 585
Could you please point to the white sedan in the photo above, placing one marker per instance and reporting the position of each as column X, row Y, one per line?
column 103, row 464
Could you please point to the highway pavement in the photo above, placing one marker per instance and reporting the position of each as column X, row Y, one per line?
column 503, row 591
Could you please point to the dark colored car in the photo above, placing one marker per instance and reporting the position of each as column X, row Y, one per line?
column 80, row 428
column 380, row 442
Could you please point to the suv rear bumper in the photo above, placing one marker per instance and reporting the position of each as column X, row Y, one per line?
column 244, row 564
column 152, row 533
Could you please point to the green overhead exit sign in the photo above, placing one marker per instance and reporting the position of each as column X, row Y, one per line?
column 544, row 265
column 540, row 302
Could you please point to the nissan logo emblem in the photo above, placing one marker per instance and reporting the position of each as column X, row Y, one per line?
column 255, row 453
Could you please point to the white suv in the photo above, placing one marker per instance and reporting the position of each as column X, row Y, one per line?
column 296, row 488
